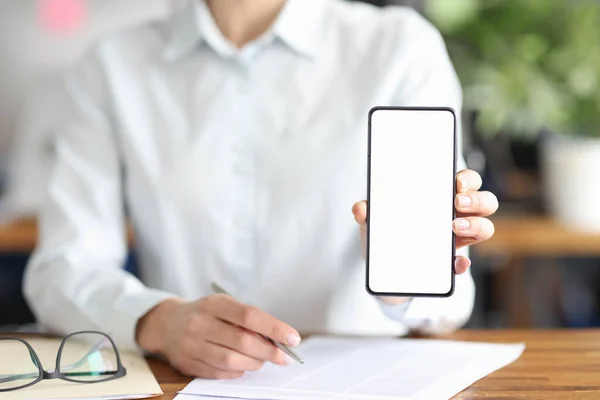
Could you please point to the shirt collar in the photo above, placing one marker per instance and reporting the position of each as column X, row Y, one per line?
column 299, row 25
column 182, row 33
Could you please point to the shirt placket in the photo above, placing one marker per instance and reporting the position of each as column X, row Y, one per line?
column 244, row 218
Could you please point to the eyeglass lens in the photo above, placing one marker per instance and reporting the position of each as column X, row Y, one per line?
column 22, row 368
column 88, row 357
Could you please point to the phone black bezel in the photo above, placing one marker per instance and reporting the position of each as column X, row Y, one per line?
column 455, row 151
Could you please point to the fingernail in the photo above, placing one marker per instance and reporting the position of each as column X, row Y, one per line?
column 464, row 184
column 293, row 339
column 462, row 224
column 464, row 201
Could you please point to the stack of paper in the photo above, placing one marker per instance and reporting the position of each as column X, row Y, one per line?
column 366, row 369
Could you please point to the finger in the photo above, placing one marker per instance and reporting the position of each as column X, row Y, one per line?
column 252, row 318
column 475, row 228
column 480, row 204
column 465, row 241
column 468, row 180
column 200, row 369
column 461, row 264
column 360, row 212
column 243, row 341
column 227, row 359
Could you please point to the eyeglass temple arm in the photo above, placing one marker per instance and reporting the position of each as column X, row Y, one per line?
column 12, row 378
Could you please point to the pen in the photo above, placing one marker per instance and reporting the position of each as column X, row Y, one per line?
column 218, row 289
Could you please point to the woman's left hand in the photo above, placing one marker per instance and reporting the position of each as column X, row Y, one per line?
column 470, row 226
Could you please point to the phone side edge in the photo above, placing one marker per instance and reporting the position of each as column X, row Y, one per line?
column 454, row 193
column 368, row 233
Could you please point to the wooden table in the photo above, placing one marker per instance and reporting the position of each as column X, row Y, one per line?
column 556, row 365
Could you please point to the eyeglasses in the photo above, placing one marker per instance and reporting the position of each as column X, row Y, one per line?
column 83, row 357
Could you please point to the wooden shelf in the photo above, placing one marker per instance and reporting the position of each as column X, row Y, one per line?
column 537, row 236
column 515, row 235
column 20, row 236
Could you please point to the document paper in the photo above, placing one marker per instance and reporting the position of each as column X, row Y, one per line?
column 367, row 369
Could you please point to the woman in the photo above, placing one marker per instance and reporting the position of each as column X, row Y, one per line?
column 235, row 135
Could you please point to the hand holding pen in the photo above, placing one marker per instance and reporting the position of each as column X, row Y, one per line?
column 216, row 336
column 218, row 289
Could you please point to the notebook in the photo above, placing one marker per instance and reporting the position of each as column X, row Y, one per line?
column 138, row 383
column 366, row 369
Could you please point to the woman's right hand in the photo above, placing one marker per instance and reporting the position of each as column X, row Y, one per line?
column 214, row 337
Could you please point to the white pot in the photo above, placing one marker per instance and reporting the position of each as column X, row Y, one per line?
column 571, row 181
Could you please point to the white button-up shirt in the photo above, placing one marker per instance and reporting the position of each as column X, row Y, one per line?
column 238, row 166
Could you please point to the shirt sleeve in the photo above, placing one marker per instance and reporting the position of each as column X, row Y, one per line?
column 432, row 81
column 75, row 279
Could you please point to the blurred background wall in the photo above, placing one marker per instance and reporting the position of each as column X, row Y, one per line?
column 35, row 49
column 36, row 46
column 530, row 71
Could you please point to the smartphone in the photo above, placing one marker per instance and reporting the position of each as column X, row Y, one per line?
column 410, row 202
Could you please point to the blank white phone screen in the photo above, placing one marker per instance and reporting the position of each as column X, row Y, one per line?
column 411, row 201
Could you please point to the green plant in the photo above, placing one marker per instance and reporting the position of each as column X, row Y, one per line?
column 525, row 65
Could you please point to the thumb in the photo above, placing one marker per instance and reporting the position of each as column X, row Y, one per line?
column 360, row 213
